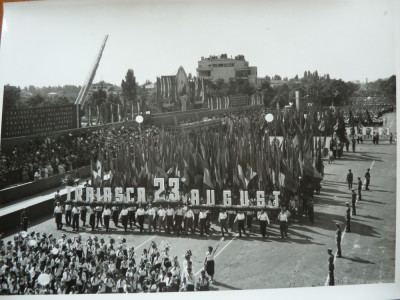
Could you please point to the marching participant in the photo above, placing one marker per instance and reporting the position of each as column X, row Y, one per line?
column 124, row 217
column 222, row 219
column 170, row 217
column 161, row 218
column 151, row 217
column 99, row 216
column 82, row 211
column 283, row 219
column 189, row 219
column 58, row 215
column 106, row 217
column 115, row 214
column 263, row 217
column 132, row 215
column 68, row 208
column 92, row 221
column 140, row 217
column 178, row 219
column 240, row 219
column 75, row 218
column 203, row 220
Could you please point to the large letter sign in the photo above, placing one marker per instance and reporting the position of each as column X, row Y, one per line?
column 260, row 198
column 128, row 194
column 210, row 197
column 119, row 194
column 226, row 198
column 159, row 182
column 89, row 194
column 174, row 184
column 244, row 198
column 141, row 195
column 195, row 197
column 107, row 194
column 78, row 194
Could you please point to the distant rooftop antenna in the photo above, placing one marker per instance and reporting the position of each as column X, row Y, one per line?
column 89, row 79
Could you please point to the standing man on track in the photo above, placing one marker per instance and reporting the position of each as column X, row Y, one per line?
column 339, row 240
column 331, row 268
column 350, row 179
column 347, row 217
column 359, row 188
column 353, row 202
column 368, row 179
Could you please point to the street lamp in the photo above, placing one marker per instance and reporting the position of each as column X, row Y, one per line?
column 269, row 118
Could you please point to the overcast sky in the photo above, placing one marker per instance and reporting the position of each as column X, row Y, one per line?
column 55, row 42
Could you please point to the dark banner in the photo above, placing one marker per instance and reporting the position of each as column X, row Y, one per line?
column 29, row 121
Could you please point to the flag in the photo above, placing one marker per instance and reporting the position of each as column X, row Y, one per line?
column 207, row 178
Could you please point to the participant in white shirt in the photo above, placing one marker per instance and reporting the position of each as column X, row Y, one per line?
column 106, row 217
column 161, row 218
column 58, row 215
column 240, row 219
column 283, row 219
column 223, row 221
column 203, row 222
column 189, row 280
column 124, row 217
column 189, row 220
column 151, row 217
column 209, row 261
column 140, row 217
column 263, row 217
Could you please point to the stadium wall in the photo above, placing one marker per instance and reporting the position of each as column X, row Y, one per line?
column 10, row 194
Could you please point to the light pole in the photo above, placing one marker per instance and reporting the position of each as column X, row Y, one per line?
column 139, row 119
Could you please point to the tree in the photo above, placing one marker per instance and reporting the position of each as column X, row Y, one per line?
column 129, row 89
column 11, row 96
column 35, row 101
column 277, row 77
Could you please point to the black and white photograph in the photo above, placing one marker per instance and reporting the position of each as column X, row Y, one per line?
column 242, row 148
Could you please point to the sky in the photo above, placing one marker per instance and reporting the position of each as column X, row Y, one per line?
column 50, row 43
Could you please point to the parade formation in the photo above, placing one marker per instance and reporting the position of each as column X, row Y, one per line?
column 199, row 184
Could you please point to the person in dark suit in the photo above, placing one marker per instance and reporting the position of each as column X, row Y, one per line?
column 339, row 240
column 353, row 202
column 331, row 267
column 347, row 217
column 368, row 179
column 359, row 188
column 349, row 179
column 24, row 220
column 353, row 145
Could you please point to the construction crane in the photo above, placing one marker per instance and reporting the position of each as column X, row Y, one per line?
column 89, row 79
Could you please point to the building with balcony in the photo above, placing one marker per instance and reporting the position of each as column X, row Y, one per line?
column 222, row 67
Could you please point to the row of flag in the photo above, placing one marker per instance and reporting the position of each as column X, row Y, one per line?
column 243, row 154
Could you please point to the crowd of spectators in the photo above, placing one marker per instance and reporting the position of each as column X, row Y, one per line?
column 35, row 263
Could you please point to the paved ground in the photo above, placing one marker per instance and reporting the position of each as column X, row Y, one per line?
column 301, row 260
